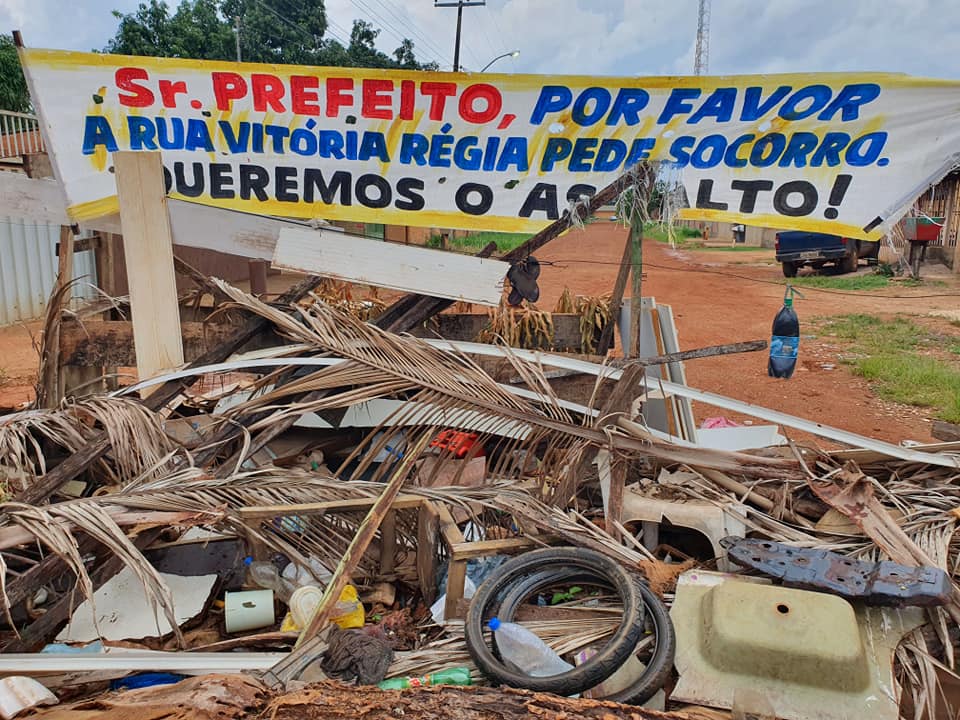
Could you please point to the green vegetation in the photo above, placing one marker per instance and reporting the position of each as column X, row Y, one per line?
column 271, row 31
column 475, row 242
column 872, row 281
column 13, row 86
column 899, row 357
column 661, row 232
column 735, row 248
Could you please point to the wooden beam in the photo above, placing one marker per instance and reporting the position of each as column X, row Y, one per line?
column 616, row 300
column 389, row 265
column 148, row 250
column 636, row 284
column 50, row 386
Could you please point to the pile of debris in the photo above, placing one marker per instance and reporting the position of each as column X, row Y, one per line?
column 360, row 506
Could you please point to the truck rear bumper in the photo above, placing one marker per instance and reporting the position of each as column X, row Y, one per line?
column 812, row 255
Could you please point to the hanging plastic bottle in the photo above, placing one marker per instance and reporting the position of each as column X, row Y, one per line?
column 785, row 338
column 526, row 651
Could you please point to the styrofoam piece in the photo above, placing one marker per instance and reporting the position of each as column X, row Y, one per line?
column 19, row 693
column 124, row 612
column 744, row 437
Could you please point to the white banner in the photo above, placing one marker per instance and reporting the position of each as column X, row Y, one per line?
column 837, row 153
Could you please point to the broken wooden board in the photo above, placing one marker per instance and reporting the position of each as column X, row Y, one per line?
column 193, row 225
column 397, row 267
column 122, row 611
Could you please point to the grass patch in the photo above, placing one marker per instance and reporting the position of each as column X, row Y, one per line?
column 872, row 281
column 734, row 248
column 661, row 232
column 888, row 354
column 478, row 240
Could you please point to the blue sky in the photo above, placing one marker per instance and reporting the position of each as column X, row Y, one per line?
column 605, row 37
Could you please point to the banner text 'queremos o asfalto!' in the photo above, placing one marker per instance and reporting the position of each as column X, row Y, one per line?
column 838, row 153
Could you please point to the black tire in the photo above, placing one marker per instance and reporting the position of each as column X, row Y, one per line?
column 790, row 269
column 849, row 263
column 655, row 614
column 582, row 677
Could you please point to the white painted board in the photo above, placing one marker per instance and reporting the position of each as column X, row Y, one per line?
column 398, row 267
column 124, row 612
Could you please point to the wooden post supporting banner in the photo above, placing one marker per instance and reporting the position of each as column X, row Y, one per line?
column 148, row 251
column 636, row 285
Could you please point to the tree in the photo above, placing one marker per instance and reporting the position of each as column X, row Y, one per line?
column 13, row 86
column 291, row 32
column 196, row 30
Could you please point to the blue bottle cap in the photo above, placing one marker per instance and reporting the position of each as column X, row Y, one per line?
column 248, row 560
column 494, row 624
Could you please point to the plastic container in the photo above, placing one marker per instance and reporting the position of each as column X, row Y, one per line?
column 450, row 676
column 526, row 651
column 261, row 573
column 785, row 339
column 248, row 610
column 313, row 574
column 347, row 613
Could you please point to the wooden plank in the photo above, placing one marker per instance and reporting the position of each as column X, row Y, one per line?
column 397, row 267
column 148, row 250
column 192, row 225
column 267, row 512
column 457, row 568
column 616, row 299
column 636, row 284
column 427, row 561
column 484, row 548
column 51, row 389
column 388, row 543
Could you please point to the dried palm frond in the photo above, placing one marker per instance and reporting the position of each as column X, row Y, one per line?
column 138, row 442
column 341, row 296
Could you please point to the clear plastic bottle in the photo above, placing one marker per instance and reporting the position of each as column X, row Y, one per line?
column 265, row 574
column 526, row 651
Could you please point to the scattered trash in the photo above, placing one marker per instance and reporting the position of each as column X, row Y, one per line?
column 452, row 676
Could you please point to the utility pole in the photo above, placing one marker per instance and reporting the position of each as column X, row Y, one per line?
column 236, row 27
column 459, row 5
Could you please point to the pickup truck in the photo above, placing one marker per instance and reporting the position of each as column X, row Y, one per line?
column 796, row 248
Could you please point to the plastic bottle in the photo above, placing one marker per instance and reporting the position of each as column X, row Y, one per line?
column 526, row 651
column 785, row 339
column 450, row 676
column 265, row 574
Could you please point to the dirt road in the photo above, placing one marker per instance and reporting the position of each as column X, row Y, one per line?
column 712, row 306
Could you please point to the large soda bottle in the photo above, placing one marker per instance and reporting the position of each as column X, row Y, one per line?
column 785, row 338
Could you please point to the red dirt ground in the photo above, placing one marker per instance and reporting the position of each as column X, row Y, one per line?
column 711, row 307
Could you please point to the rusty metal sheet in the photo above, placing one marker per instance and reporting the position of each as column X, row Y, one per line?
column 876, row 583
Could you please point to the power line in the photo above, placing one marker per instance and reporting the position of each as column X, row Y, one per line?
column 500, row 32
column 378, row 19
column 419, row 36
column 298, row 28
column 339, row 38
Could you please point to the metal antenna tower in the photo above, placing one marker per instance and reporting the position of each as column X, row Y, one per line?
column 701, row 61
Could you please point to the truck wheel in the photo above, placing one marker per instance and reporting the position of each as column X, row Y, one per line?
column 849, row 263
column 790, row 269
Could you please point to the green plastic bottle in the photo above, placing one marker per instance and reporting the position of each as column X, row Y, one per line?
column 450, row 676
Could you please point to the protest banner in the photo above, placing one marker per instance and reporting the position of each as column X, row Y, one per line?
column 838, row 153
